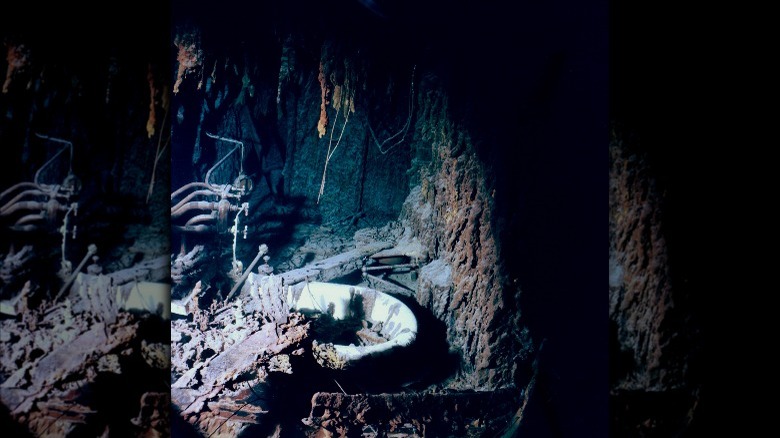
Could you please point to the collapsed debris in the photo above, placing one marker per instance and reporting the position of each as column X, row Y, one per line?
column 216, row 369
column 153, row 415
column 221, row 354
column 323, row 270
column 467, row 414
column 225, row 355
column 53, row 355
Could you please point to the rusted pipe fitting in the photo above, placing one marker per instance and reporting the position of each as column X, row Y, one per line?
column 223, row 209
column 52, row 209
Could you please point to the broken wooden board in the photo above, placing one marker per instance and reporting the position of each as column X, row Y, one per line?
column 392, row 283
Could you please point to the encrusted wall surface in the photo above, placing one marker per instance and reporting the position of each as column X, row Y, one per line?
column 650, row 336
column 465, row 285
column 640, row 291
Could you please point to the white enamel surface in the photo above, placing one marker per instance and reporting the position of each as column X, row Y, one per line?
column 151, row 297
column 399, row 323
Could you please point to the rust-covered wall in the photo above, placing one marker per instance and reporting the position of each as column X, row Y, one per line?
column 360, row 178
column 641, row 302
column 651, row 332
column 465, row 285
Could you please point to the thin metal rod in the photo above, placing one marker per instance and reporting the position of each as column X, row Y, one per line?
column 387, row 267
column 342, row 389
column 67, row 144
column 229, row 140
column 261, row 252
column 91, row 249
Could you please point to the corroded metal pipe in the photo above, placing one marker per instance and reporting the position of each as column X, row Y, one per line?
column 195, row 291
column 25, row 205
column 186, row 187
column 15, row 187
column 262, row 250
column 30, row 218
column 21, row 195
column 201, row 218
column 91, row 249
column 193, row 194
column 193, row 228
column 194, row 205
column 25, row 228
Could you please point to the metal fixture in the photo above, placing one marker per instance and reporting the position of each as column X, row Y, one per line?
column 212, row 203
column 41, row 203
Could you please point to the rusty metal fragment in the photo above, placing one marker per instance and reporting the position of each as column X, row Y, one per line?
column 470, row 413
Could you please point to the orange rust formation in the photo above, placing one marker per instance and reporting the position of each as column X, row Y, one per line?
column 18, row 57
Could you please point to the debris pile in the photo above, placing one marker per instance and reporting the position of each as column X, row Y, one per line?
column 61, row 359
column 216, row 370
column 466, row 414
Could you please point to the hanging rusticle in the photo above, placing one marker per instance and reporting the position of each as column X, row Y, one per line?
column 189, row 57
column 150, row 122
column 18, row 58
column 322, row 123
column 344, row 86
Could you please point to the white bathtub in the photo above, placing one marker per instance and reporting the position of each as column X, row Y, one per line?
column 398, row 323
